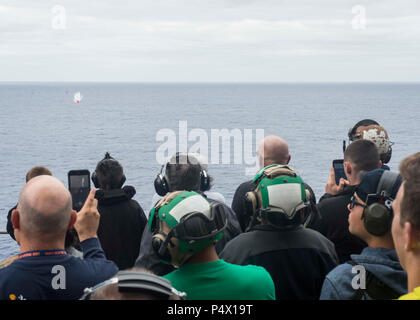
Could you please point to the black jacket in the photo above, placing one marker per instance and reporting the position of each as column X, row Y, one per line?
column 297, row 259
column 334, row 225
column 120, row 226
column 148, row 259
column 238, row 204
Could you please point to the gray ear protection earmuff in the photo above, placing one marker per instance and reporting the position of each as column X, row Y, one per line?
column 377, row 217
column 137, row 281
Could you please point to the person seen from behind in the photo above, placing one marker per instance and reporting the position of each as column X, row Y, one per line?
column 376, row 272
column 185, row 227
column 360, row 157
column 122, row 218
column 297, row 258
column 44, row 270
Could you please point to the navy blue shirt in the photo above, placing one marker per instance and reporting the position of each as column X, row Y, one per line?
column 55, row 275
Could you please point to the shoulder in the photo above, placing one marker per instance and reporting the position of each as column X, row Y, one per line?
column 172, row 276
column 314, row 236
column 333, row 200
column 255, row 276
column 414, row 295
column 134, row 204
column 5, row 273
column 216, row 196
column 8, row 261
column 340, row 272
column 245, row 187
column 241, row 244
column 341, row 276
column 338, row 283
column 254, row 272
column 313, row 239
column 335, row 206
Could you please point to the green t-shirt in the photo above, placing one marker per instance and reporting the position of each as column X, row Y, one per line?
column 219, row 280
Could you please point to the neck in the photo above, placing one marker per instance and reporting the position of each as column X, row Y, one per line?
column 353, row 180
column 40, row 244
column 381, row 242
column 209, row 254
column 413, row 274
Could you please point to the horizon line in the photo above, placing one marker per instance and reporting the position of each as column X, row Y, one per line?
column 211, row 82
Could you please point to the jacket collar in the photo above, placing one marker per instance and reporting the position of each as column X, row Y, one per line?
column 107, row 197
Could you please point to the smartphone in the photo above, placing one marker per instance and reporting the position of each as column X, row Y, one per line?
column 338, row 166
column 79, row 186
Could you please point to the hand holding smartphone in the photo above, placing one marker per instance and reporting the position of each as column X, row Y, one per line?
column 338, row 166
column 79, row 186
column 337, row 180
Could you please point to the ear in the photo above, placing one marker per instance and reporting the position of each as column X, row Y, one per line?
column 15, row 218
column 73, row 218
column 411, row 237
column 380, row 164
column 288, row 160
column 348, row 168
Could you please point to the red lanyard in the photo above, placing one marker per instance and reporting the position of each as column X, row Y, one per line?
column 41, row 253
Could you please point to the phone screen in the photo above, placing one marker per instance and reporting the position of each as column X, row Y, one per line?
column 79, row 186
column 339, row 170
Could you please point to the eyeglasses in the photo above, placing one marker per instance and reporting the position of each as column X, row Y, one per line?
column 353, row 203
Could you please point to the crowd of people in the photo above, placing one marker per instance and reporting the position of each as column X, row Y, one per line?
column 360, row 241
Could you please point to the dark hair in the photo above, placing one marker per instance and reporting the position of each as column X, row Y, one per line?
column 183, row 174
column 364, row 156
column 37, row 171
column 109, row 172
column 410, row 209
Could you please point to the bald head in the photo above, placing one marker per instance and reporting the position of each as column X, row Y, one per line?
column 273, row 150
column 44, row 206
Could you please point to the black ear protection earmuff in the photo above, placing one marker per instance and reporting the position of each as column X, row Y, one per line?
column 311, row 212
column 95, row 180
column 204, row 180
column 385, row 158
column 377, row 217
column 160, row 183
column 194, row 226
column 160, row 242
column 162, row 186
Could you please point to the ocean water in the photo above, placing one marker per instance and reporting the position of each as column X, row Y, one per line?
column 41, row 125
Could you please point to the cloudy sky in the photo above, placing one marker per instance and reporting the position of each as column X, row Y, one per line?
column 210, row 40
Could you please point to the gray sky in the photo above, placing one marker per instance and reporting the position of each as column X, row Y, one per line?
column 210, row 41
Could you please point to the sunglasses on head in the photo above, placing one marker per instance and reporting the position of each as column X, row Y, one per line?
column 354, row 202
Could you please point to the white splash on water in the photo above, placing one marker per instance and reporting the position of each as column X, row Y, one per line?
column 77, row 97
